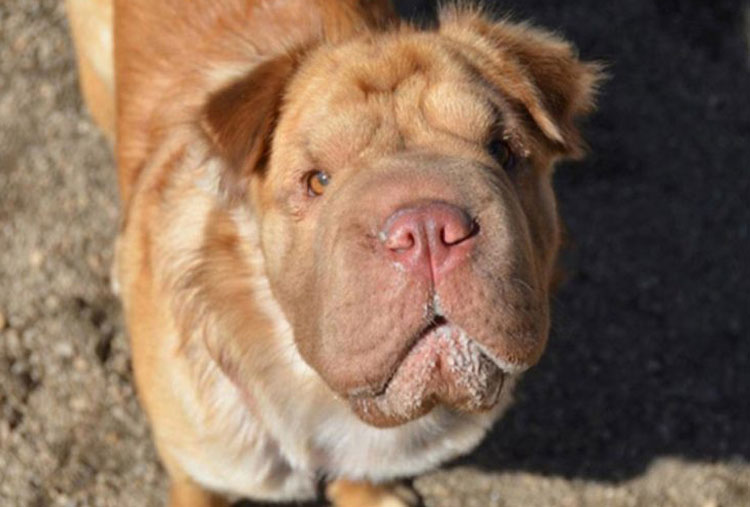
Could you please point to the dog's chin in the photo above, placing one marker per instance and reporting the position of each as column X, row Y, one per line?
column 444, row 367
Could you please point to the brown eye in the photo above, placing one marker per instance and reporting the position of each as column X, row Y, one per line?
column 500, row 151
column 317, row 182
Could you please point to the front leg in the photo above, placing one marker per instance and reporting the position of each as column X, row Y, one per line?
column 185, row 493
column 344, row 493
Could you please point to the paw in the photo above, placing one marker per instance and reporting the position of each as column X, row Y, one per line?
column 343, row 493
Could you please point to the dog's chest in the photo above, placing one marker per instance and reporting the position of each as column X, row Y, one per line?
column 231, row 451
column 239, row 453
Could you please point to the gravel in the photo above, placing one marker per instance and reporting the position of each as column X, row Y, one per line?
column 642, row 398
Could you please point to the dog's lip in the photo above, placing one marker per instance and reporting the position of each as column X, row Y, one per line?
column 370, row 392
column 443, row 366
column 436, row 323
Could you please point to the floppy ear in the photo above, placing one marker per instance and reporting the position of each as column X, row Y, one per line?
column 239, row 119
column 533, row 67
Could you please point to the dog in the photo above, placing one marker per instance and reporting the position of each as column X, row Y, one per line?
column 339, row 233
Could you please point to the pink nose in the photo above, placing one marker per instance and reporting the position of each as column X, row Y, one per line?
column 431, row 239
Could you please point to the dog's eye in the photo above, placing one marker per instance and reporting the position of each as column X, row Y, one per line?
column 317, row 182
column 500, row 151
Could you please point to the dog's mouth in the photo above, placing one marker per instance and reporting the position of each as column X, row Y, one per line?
column 444, row 366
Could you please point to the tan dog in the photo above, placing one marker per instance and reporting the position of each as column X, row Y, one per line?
column 339, row 231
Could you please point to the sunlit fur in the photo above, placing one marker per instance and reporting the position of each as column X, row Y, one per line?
column 256, row 310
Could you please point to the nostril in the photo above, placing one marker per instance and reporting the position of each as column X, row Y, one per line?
column 400, row 240
column 456, row 231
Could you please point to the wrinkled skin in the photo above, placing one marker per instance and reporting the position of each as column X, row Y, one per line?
column 409, row 123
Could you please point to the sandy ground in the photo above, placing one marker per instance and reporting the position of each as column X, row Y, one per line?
column 643, row 397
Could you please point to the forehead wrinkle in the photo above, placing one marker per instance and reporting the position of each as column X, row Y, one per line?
column 386, row 136
column 355, row 132
column 390, row 67
column 515, row 121
column 468, row 114
column 393, row 109
column 455, row 109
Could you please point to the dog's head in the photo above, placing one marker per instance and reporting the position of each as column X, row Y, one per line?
column 401, row 181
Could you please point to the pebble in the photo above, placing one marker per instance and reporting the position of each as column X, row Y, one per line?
column 94, row 262
column 52, row 302
column 4, row 431
column 80, row 364
column 79, row 404
column 36, row 258
column 13, row 342
column 64, row 350
column 47, row 91
column 112, row 438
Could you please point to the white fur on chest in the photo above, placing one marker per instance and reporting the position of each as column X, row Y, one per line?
column 242, row 455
